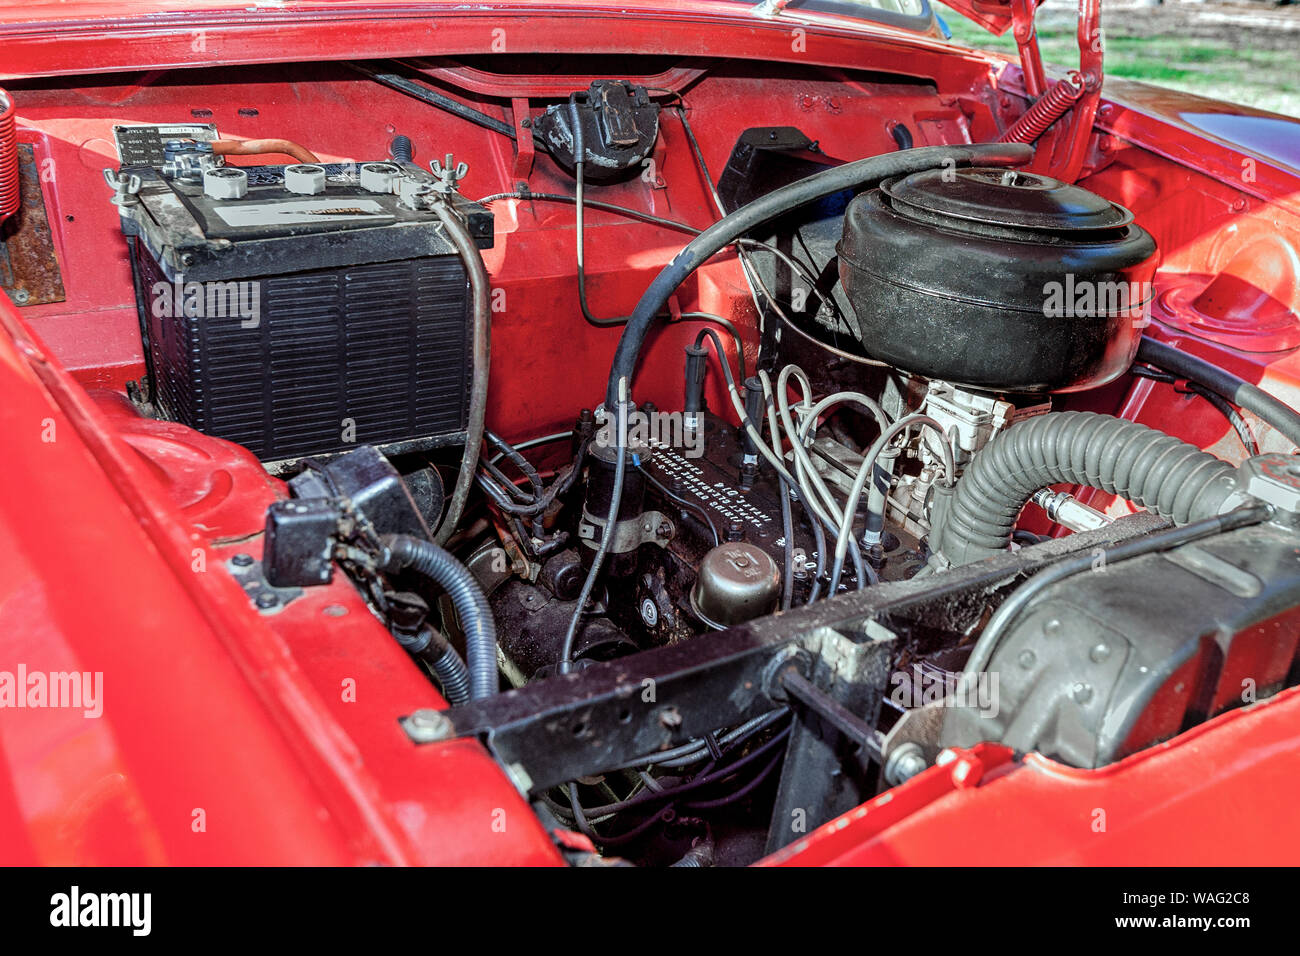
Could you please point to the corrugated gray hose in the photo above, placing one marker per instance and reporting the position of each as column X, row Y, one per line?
column 440, row 566
column 1147, row 467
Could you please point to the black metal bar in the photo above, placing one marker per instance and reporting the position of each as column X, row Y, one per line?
column 849, row 724
column 556, row 730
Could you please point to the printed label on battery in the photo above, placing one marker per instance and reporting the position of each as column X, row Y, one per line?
column 300, row 212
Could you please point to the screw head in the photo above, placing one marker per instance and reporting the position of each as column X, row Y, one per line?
column 267, row 600
column 242, row 560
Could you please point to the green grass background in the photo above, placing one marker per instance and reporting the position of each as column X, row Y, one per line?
column 1233, row 69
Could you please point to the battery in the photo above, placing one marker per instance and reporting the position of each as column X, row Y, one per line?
column 301, row 324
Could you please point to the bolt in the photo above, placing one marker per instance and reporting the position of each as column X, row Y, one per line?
column 1082, row 693
column 425, row 726
column 242, row 560
column 905, row 763
column 267, row 600
column 649, row 612
column 735, row 530
column 664, row 530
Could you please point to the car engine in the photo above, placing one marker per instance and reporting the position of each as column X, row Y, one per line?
column 879, row 512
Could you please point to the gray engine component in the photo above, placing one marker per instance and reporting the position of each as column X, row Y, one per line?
column 1111, row 661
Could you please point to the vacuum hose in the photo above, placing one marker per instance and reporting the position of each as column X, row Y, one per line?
column 441, row 567
column 1137, row 463
column 727, row 230
column 1224, row 384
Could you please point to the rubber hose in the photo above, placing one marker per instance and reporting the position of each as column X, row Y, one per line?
column 441, row 567
column 727, row 230
column 1140, row 464
column 453, row 675
column 1236, row 390
column 459, row 235
column 432, row 648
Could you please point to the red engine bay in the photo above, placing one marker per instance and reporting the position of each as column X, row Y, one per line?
column 788, row 726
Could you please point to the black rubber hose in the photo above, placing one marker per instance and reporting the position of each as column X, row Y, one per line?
column 776, row 203
column 440, row 566
column 453, row 675
column 1223, row 383
column 432, row 648
column 1137, row 463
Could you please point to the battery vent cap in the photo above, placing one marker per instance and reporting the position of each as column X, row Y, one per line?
column 379, row 177
column 225, row 182
column 304, row 179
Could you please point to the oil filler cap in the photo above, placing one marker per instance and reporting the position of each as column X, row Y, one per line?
column 304, row 179
column 737, row 582
column 225, row 182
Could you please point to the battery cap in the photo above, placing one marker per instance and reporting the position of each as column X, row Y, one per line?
column 305, row 179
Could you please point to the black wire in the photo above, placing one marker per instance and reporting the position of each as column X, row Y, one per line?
column 650, row 218
column 689, row 505
column 787, row 529
column 703, row 779
column 1239, row 424
column 740, row 794
column 859, row 568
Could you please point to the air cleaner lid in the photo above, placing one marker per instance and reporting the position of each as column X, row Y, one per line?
column 1002, row 197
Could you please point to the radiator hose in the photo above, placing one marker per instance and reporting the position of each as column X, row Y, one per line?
column 441, row 567
column 1147, row 467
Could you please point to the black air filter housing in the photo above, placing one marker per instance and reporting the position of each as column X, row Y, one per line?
column 362, row 332
column 996, row 279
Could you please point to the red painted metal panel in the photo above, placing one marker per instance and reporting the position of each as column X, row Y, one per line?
column 209, row 705
column 1216, row 795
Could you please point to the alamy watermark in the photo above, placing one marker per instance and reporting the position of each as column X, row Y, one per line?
column 651, row 429
column 208, row 300
column 72, row 690
column 917, row 688
column 1089, row 298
